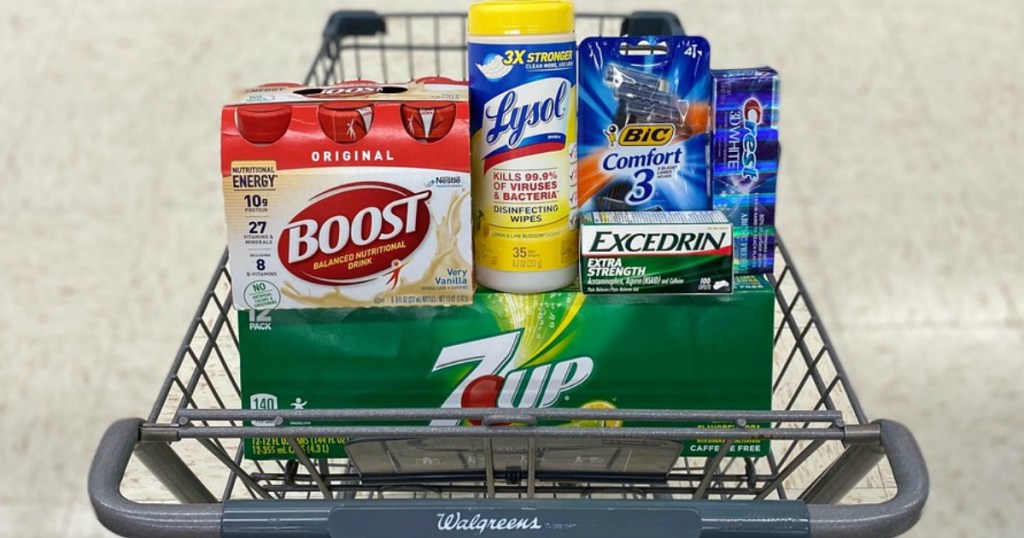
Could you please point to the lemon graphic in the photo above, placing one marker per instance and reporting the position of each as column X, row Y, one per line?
column 597, row 404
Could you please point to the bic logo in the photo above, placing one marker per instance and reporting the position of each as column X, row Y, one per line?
column 646, row 135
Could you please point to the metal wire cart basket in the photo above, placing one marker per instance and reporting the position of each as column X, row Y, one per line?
column 830, row 471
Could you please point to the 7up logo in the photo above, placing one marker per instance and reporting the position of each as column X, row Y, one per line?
column 496, row 382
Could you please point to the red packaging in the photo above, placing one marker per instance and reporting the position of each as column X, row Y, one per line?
column 348, row 195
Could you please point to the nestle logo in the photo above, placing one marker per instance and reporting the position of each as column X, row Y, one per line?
column 355, row 232
column 453, row 521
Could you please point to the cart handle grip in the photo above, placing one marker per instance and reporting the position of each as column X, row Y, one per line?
column 128, row 518
column 893, row 517
column 205, row 519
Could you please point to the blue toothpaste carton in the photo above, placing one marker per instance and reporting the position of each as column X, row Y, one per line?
column 644, row 123
column 745, row 162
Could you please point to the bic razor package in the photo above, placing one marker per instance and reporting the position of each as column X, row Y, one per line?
column 644, row 124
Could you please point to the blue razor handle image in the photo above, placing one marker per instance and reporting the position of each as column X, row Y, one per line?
column 643, row 99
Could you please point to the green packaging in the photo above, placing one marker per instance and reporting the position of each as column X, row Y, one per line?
column 557, row 349
column 655, row 252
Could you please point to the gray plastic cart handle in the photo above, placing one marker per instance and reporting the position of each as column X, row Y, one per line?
column 566, row 518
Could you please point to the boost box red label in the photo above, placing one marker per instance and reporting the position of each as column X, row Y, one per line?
column 349, row 195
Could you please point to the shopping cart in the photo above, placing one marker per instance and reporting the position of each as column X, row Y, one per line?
column 830, row 472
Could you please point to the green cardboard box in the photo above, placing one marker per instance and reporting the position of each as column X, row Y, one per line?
column 557, row 349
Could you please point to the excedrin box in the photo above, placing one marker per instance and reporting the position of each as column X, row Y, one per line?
column 556, row 349
column 349, row 195
column 644, row 127
column 655, row 252
column 745, row 162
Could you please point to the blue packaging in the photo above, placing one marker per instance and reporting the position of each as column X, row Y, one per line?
column 745, row 162
column 644, row 123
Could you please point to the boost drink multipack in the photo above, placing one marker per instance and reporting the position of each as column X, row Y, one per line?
column 558, row 349
column 349, row 195
column 745, row 162
column 656, row 252
column 644, row 129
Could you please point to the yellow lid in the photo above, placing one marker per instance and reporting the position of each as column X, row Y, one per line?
column 520, row 17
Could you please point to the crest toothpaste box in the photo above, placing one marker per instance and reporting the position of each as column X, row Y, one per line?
column 745, row 162
column 644, row 129
column 558, row 349
column 349, row 195
column 656, row 252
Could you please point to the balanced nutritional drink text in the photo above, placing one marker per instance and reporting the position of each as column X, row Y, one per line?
column 522, row 78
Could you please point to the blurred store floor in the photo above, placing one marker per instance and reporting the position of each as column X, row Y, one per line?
column 900, row 198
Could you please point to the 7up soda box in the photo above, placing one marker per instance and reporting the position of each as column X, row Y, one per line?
column 558, row 349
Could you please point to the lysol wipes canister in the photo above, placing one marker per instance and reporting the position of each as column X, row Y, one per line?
column 522, row 78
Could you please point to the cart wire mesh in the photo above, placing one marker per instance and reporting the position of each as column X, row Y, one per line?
column 405, row 46
column 815, row 417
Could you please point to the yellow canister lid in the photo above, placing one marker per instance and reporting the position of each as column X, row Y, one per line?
column 520, row 17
